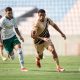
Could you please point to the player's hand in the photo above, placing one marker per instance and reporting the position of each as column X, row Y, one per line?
column 46, row 39
column 63, row 35
column 34, row 34
column 22, row 38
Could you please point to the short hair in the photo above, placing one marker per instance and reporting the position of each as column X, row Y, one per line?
column 8, row 9
column 41, row 11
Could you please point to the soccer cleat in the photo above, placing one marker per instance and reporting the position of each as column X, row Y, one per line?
column 4, row 58
column 59, row 69
column 24, row 69
column 38, row 63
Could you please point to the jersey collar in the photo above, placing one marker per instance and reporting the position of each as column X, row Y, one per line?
column 9, row 18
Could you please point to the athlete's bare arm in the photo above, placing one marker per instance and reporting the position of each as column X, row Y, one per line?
column 34, row 31
column 57, row 28
column 17, row 31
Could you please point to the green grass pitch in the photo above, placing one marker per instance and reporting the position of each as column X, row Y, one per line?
column 9, row 70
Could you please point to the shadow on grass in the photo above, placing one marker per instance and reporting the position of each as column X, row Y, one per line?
column 44, row 70
column 71, row 71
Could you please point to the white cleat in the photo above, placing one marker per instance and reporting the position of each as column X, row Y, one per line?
column 4, row 58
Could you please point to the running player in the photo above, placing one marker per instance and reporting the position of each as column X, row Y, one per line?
column 41, row 37
column 9, row 39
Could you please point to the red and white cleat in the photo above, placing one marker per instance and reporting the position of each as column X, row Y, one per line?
column 59, row 69
column 38, row 63
column 24, row 69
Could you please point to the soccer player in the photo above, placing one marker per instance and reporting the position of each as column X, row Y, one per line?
column 41, row 37
column 9, row 39
column 1, row 49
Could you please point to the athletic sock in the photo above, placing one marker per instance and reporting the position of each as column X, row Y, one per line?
column 21, row 58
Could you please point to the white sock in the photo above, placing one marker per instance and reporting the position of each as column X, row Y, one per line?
column 21, row 58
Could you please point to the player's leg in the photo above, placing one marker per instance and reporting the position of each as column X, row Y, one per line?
column 21, row 58
column 39, row 49
column 9, row 48
column 17, row 46
column 1, row 52
column 49, row 45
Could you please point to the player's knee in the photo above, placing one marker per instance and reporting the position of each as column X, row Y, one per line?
column 51, row 49
column 17, row 46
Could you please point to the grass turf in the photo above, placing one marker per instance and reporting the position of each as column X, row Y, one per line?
column 9, row 70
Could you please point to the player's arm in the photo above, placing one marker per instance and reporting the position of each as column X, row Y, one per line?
column 34, row 31
column 18, row 33
column 17, row 30
column 57, row 28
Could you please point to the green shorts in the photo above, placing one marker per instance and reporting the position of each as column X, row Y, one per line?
column 10, row 43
